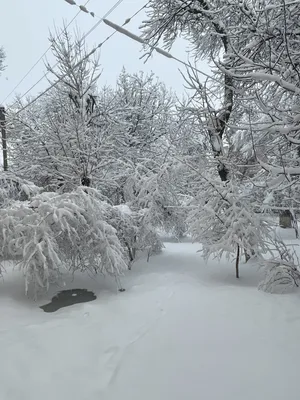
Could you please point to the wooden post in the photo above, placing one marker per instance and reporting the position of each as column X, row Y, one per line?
column 3, row 134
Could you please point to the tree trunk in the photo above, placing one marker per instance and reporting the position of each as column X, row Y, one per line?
column 247, row 256
column 237, row 275
column 130, row 254
column 295, row 223
column 223, row 172
column 85, row 181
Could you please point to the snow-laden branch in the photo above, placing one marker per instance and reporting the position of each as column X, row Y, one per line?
column 275, row 170
column 55, row 232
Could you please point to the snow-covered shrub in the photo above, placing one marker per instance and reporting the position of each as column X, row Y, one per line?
column 153, row 192
column 282, row 271
column 226, row 223
column 14, row 188
column 147, row 239
column 122, row 219
column 135, row 231
column 280, row 276
column 60, row 231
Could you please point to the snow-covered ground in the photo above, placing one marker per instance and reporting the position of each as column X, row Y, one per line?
column 183, row 330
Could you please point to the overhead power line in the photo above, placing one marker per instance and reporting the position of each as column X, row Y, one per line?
column 120, row 29
column 162, row 52
column 84, row 37
column 118, row 3
column 81, row 7
column 40, row 59
column 84, row 9
column 87, row 56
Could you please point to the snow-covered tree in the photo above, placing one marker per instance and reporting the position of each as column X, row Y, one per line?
column 210, row 27
column 81, row 134
column 135, row 231
column 123, row 220
column 144, row 115
column 147, row 107
column 53, row 233
column 62, row 140
column 154, row 189
column 253, row 90
column 2, row 59
column 226, row 222
column 267, row 70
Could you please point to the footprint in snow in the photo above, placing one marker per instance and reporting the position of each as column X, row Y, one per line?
column 108, row 365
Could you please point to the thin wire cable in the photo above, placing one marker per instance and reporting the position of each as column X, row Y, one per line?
column 75, row 66
column 40, row 59
column 117, row 4
column 164, row 53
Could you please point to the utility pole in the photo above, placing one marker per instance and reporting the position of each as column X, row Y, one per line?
column 3, row 134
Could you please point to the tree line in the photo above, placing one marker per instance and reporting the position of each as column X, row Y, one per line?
column 97, row 171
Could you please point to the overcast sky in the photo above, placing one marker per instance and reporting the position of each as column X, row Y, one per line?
column 24, row 32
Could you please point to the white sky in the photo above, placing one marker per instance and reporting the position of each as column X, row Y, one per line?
column 24, row 32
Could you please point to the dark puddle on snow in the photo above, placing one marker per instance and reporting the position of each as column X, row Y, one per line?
column 67, row 298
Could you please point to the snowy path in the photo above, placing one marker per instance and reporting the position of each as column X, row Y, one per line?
column 181, row 331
